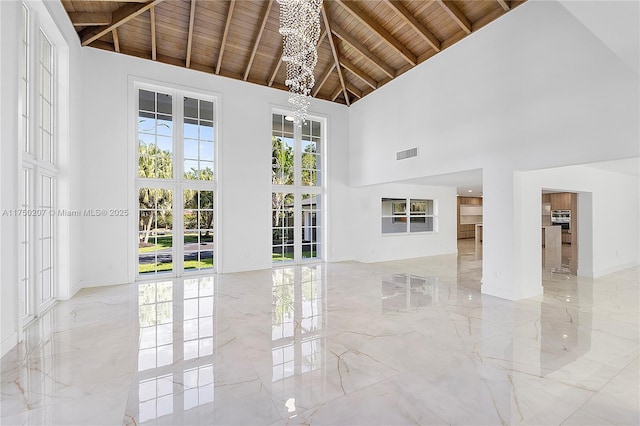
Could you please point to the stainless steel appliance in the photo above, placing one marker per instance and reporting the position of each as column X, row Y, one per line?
column 561, row 218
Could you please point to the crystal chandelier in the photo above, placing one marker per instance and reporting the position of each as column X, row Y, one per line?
column 300, row 29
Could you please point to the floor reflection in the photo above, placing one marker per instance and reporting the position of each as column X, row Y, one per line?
column 404, row 342
column 403, row 292
column 175, row 369
column 566, row 321
column 297, row 342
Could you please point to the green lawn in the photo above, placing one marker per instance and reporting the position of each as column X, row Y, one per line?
column 277, row 257
column 166, row 241
column 189, row 264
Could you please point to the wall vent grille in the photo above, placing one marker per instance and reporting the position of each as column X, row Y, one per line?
column 408, row 153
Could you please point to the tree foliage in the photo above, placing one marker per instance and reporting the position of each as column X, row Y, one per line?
column 158, row 164
column 154, row 163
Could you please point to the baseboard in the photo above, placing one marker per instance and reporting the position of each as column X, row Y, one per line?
column 75, row 289
column 509, row 294
column 391, row 258
column 606, row 271
column 340, row 259
column 9, row 343
column 497, row 292
column 93, row 283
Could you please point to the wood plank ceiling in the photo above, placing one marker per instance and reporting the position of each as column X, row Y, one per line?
column 364, row 44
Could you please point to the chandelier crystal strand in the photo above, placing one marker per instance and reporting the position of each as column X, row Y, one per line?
column 300, row 30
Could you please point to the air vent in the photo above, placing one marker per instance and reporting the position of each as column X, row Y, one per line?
column 403, row 155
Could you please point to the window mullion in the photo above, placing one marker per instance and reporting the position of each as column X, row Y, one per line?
column 178, row 133
column 178, row 196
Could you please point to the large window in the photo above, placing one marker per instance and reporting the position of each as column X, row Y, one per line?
column 297, row 189
column 408, row 215
column 176, row 182
column 38, row 169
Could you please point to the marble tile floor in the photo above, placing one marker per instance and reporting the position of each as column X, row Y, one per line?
column 393, row 343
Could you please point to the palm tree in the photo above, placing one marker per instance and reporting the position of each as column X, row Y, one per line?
column 200, row 200
column 281, row 174
column 154, row 163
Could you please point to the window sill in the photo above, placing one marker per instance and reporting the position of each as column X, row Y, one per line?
column 397, row 234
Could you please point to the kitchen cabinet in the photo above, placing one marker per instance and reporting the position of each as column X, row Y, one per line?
column 560, row 201
column 470, row 210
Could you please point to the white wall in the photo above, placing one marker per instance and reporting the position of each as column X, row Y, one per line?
column 533, row 90
column 70, row 148
column 244, row 169
column 372, row 246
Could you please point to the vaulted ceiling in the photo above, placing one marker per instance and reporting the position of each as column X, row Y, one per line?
column 363, row 45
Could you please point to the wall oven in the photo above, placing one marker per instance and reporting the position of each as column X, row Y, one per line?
column 561, row 218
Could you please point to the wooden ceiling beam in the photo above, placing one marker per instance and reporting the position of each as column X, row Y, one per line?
column 379, row 30
column 154, row 46
column 90, row 19
column 457, row 15
column 265, row 17
column 337, row 92
column 418, row 27
column 368, row 54
column 348, row 65
column 505, row 4
column 227, row 25
column 353, row 89
column 192, row 15
column 334, row 51
column 276, row 68
column 116, row 40
column 119, row 17
column 323, row 79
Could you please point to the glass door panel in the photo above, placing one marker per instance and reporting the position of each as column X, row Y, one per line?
column 198, row 229
column 155, row 231
column 26, row 235
column 311, row 226
column 46, row 250
column 282, row 225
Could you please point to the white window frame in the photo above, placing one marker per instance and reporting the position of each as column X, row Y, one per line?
column 178, row 184
column 33, row 267
column 297, row 189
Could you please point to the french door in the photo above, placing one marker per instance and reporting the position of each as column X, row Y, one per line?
column 175, row 183
column 297, row 190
